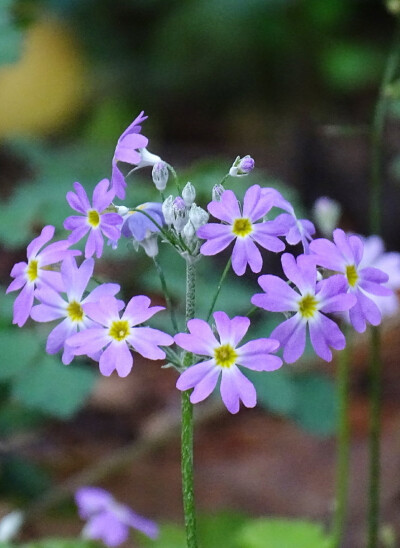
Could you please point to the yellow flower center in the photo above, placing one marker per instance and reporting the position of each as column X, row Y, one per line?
column 351, row 275
column 308, row 306
column 119, row 330
column 32, row 270
column 225, row 355
column 75, row 311
column 93, row 218
column 242, row 227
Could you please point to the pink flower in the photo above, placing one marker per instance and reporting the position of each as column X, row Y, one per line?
column 36, row 273
column 115, row 335
column 225, row 356
column 93, row 219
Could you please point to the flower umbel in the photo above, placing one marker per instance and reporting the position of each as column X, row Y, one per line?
column 225, row 357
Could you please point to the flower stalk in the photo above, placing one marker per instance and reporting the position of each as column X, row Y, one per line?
column 375, row 220
column 187, row 424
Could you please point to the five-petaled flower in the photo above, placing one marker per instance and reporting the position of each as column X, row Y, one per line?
column 225, row 357
column 242, row 226
column 309, row 304
column 94, row 219
column 345, row 257
column 37, row 272
column 109, row 520
column 115, row 335
column 53, row 307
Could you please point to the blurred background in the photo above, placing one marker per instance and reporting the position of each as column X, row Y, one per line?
column 291, row 82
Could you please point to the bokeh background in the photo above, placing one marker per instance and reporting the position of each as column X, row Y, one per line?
column 291, row 82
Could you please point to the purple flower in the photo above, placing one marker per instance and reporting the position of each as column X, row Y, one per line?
column 36, row 272
column 307, row 303
column 374, row 255
column 345, row 256
column 54, row 307
column 297, row 230
column 114, row 334
column 94, row 220
column 242, row 227
column 142, row 229
column 107, row 519
column 225, row 357
column 127, row 151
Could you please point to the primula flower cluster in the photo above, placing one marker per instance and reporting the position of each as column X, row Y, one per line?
column 347, row 278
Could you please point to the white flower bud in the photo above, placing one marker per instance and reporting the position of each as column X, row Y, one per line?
column 188, row 232
column 122, row 210
column 189, row 194
column 160, row 175
column 180, row 213
column 242, row 166
column 326, row 213
column 198, row 216
column 150, row 245
column 217, row 192
column 167, row 210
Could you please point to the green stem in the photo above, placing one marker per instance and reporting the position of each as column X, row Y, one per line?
column 166, row 294
column 221, row 281
column 375, row 366
column 175, row 176
column 343, row 444
column 187, row 425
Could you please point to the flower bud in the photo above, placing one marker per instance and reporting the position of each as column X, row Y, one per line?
column 188, row 232
column 217, row 192
column 326, row 213
column 160, row 175
column 242, row 166
column 167, row 210
column 150, row 245
column 10, row 525
column 198, row 216
column 189, row 194
column 180, row 213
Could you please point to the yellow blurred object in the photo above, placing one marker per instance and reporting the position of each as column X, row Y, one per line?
column 46, row 86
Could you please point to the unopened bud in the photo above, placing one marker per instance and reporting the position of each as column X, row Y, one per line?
column 188, row 232
column 217, row 192
column 242, row 166
column 198, row 216
column 10, row 525
column 189, row 194
column 168, row 210
column 160, row 175
column 179, row 213
column 326, row 213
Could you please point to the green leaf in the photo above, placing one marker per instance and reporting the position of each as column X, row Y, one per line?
column 19, row 477
column 54, row 388
column 220, row 530
column 276, row 391
column 171, row 536
column 282, row 533
column 316, row 406
column 10, row 34
column 18, row 348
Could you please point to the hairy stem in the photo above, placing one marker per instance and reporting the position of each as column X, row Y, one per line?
column 343, row 445
column 375, row 219
column 187, row 425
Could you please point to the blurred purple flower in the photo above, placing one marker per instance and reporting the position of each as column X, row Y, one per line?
column 308, row 304
column 242, row 227
column 127, row 151
column 53, row 306
column 298, row 230
column 225, row 357
column 107, row 519
column 114, row 334
column 345, row 256
column 142, row 229
column 36, row 272
column 93, row 218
